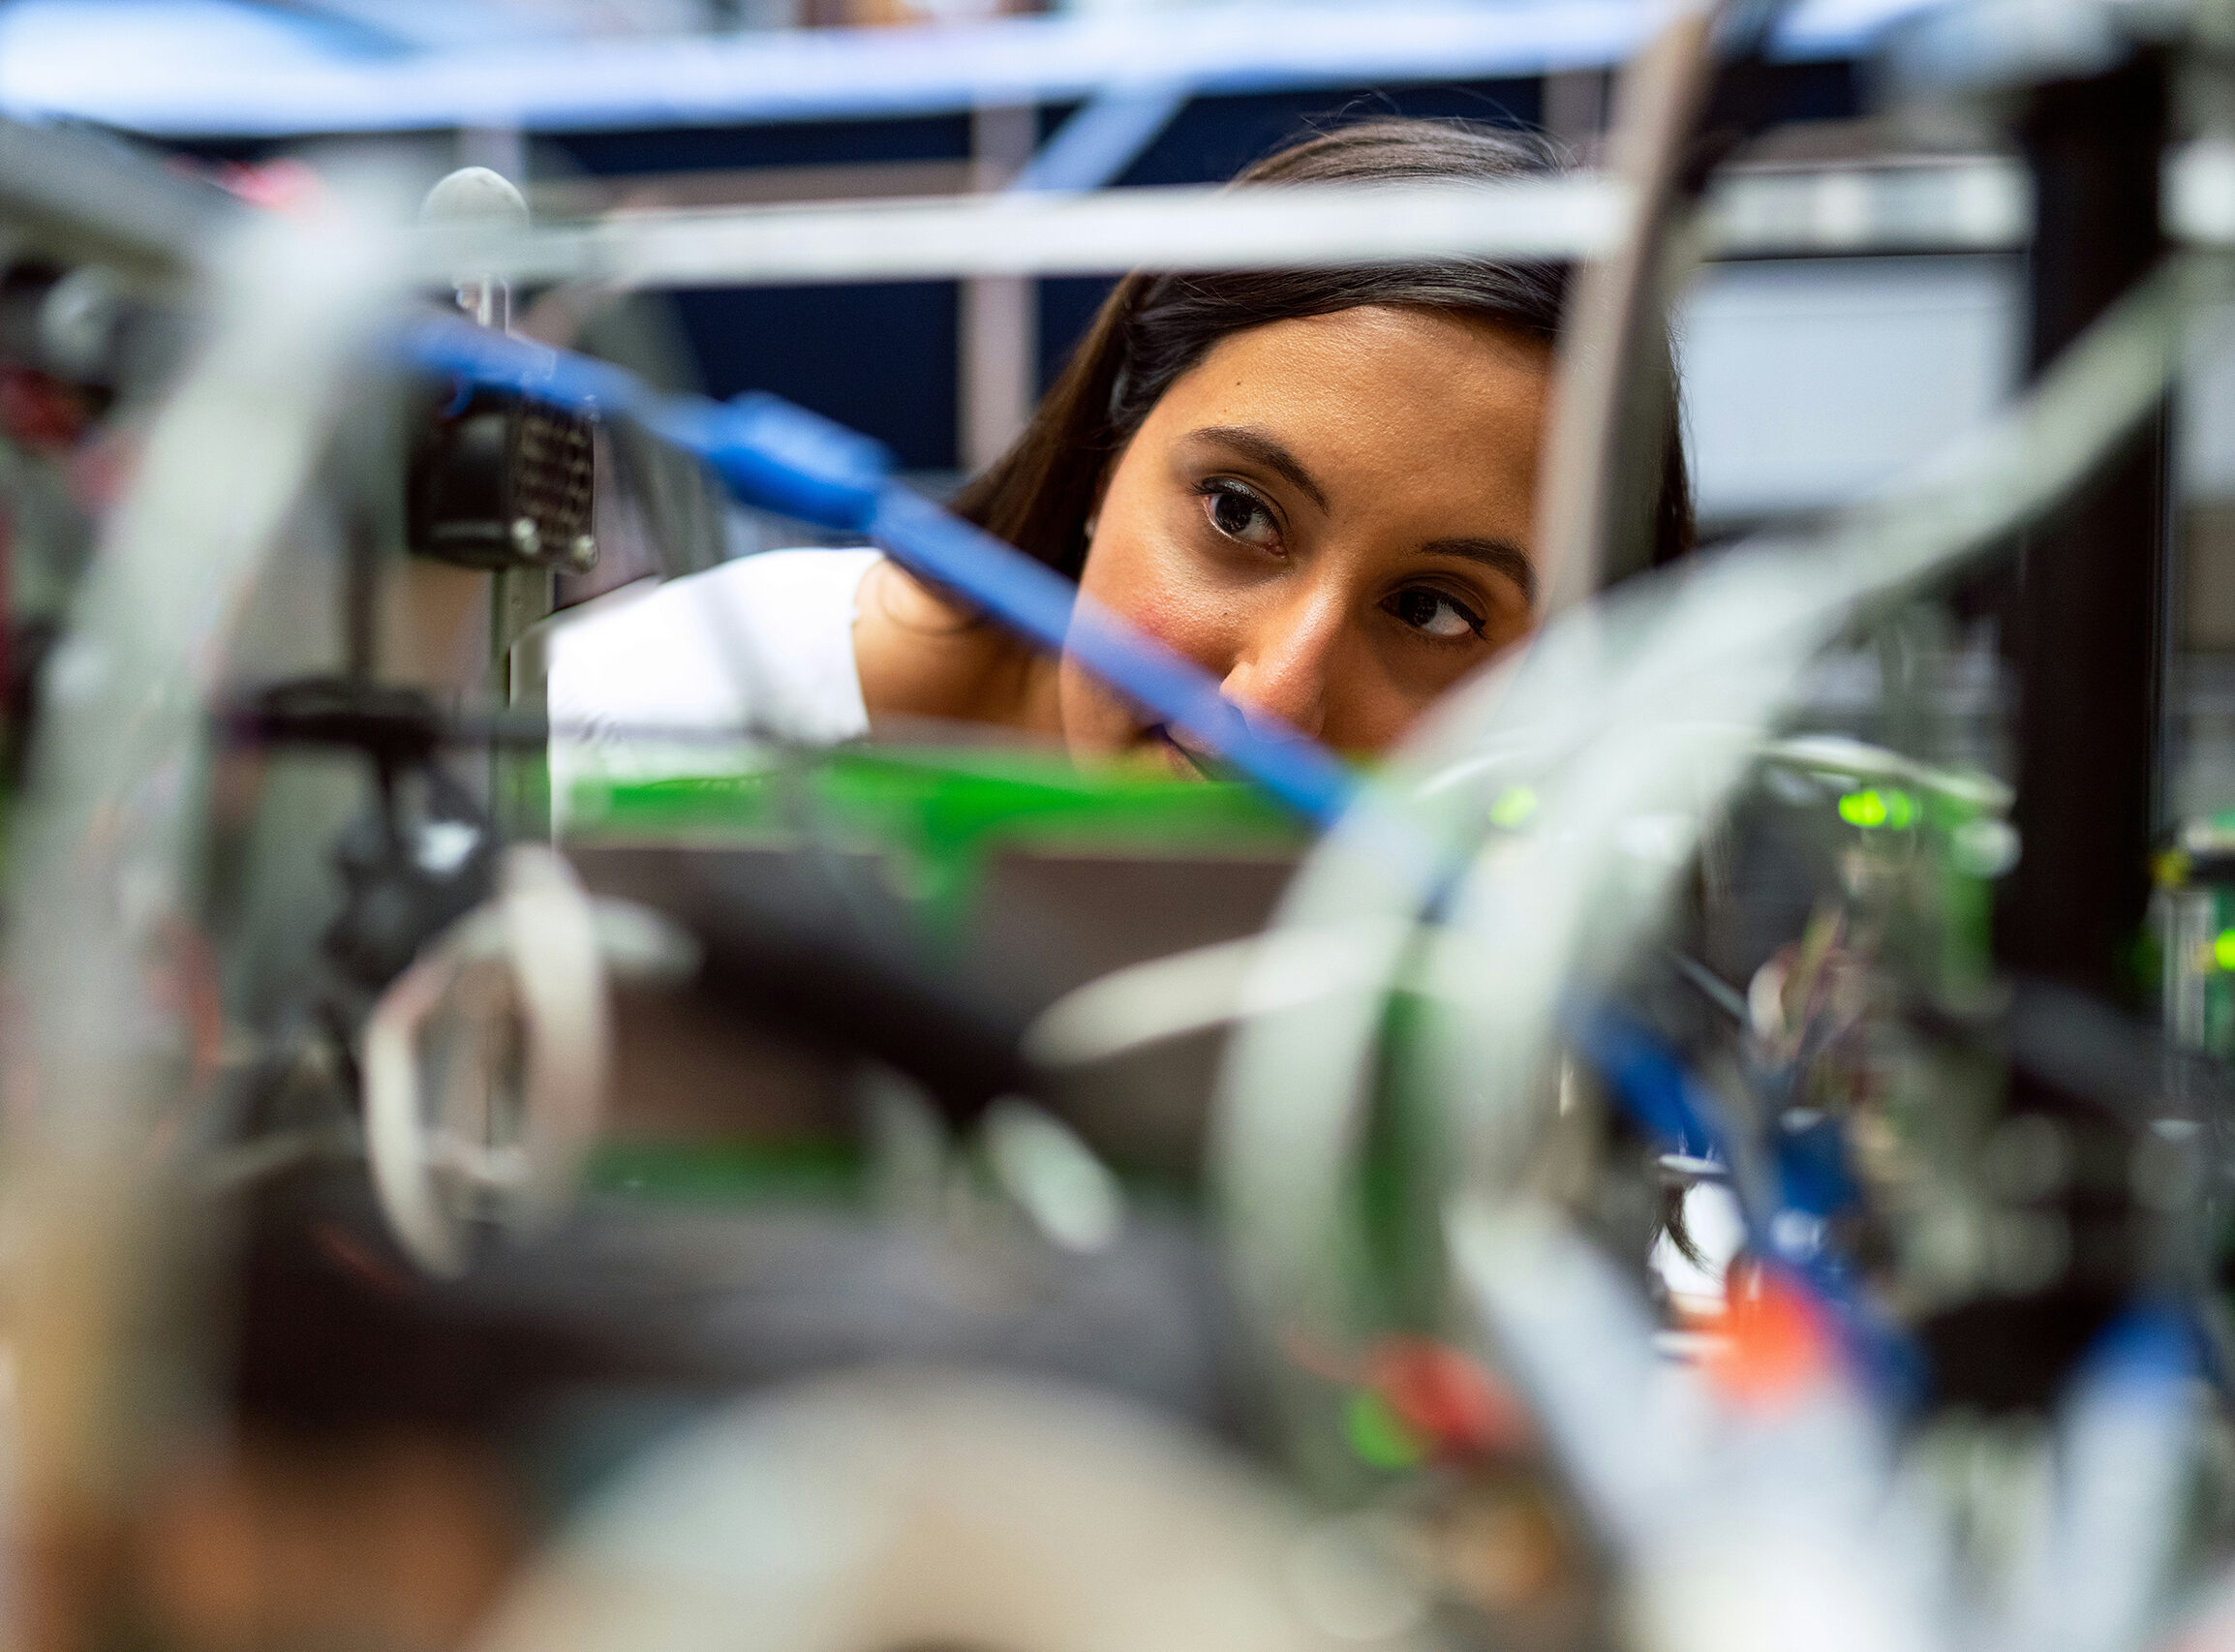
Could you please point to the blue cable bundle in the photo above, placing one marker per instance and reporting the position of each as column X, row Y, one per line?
column 783, row 458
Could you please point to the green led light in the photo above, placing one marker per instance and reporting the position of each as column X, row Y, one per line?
column 1871, row 808
column 1864, row 808
column 1512, row 808
column 1377, row 1435
column 2224, row 949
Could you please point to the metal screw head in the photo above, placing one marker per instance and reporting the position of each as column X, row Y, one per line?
column 526, row 540
column 582, row 555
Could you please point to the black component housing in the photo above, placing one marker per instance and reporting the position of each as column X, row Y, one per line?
column 498, row 481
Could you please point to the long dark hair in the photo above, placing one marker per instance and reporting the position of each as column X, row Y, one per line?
column 1152, row 328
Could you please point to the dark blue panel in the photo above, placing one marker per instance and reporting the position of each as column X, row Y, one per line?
column 1049, row 116
column 246, row 151
column 1780, row 94
column 797, row 144
column 878, row 358
column 1067, row 306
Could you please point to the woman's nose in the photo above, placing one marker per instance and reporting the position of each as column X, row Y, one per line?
column 1283, row 668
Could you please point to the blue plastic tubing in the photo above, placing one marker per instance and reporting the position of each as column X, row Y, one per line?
column 783, row 458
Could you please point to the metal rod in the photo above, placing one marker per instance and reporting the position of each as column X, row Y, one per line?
column 1966, row 206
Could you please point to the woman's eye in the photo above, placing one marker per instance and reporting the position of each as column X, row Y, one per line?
column 1240, row 514
column 1435, row 615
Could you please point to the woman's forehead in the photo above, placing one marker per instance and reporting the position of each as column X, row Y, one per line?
column 1372, row 388
column 1382, row 353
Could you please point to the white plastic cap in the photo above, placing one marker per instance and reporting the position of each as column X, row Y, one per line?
column 475, row 194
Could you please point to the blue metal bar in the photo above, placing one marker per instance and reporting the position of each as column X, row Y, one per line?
column 67, row 66
column 1108, row 134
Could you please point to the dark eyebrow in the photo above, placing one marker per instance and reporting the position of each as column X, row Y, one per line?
column 1502, row 556
column 1266, row 451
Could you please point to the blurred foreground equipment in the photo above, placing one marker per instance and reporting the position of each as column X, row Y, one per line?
column 1674, row 1159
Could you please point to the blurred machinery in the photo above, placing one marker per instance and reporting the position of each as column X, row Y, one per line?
column 1692, row 1153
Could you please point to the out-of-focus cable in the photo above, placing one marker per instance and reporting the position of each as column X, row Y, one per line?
column 1577, row 1337
column 1067, row 229
column 76, row 192
column 1205, row 987
column 1614, row 393
column 1107, row 134
column 1053, row 1175
column 1598, row 453
column 517, row 1104
column 1668, row 727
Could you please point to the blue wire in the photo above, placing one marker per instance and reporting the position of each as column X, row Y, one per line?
column 783, row 458
column 1649, row 1082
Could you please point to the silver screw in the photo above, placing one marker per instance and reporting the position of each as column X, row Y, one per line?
column 526, row 540
column 582, row 556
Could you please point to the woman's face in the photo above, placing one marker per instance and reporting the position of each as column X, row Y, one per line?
column 1332, row 516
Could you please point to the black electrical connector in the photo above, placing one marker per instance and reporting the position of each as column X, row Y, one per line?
column 497, row 481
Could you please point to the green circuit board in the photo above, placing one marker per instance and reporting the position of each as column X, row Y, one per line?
column 940, row 812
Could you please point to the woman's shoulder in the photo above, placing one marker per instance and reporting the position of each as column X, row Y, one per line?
column 922, row 653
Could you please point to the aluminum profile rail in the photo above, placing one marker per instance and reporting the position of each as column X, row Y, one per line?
column 1186, row 228
column 1966, row 206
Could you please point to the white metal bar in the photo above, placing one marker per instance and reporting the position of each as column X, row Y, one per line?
column 1963, row 206
column 1020, row 233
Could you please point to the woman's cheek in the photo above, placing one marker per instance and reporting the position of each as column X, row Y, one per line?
column 1158, row 588
column 1131, row 575
column 1095, row 723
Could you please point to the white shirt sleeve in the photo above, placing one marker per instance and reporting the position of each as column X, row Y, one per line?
column 762, row 646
